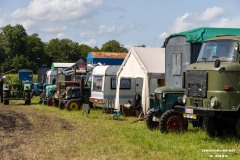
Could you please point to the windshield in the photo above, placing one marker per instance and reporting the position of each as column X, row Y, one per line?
column 222, row 50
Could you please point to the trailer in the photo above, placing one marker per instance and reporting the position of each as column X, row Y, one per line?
column 103, row 88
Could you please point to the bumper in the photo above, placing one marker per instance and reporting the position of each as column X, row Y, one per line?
column 196, row 111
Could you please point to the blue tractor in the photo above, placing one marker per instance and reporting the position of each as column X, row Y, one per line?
column 160, row 113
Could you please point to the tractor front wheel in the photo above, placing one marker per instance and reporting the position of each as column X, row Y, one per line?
column 6, row 102
column 73, row 104
column 151, row 125
column 27, row 102
column 171, row 121
column 50, row 101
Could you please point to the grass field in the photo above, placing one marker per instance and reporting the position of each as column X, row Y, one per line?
column 42, row 132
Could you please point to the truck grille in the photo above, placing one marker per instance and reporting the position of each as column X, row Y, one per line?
column 196, row 84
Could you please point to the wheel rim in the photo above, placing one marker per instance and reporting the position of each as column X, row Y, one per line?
column 73, row 106
column 174, row 124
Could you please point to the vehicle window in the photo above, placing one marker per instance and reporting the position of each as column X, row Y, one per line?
column 124, row 84
column 97, row 83
column 222, row 50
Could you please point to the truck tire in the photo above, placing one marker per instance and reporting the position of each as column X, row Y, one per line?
column 73, row 104
column 171, row 121
column 212, row 126
column 6, row 102
column 151, row 125
column 238, row 127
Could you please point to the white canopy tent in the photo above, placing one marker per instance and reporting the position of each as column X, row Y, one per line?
column 146, row 63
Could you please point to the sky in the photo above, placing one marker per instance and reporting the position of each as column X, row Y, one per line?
column 131, row 22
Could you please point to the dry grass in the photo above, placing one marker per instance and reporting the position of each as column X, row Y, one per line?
column 42, row 132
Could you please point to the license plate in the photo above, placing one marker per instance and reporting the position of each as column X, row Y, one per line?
column 189, row 110
column 190, row 116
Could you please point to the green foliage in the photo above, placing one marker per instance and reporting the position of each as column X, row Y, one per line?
column 113, row 46
column 19, row 50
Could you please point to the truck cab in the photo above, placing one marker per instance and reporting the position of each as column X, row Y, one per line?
column 212, row 86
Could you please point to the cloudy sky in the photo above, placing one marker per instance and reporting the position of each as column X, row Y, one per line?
column 131, row 22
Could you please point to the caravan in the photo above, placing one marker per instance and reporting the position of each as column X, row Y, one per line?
column 103, row 88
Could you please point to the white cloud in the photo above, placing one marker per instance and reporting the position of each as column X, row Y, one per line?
column 87, row 35
column 55, row 10
column 211, row 14
column 163, row 35
column 91, row 42
column 211, row 17
column 107, row 29
column 53, row 28
column 227, row 23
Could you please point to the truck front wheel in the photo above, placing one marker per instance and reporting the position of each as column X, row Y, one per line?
column 151, row 125
column 172, row 121
column 212, row 126
column 238, row 127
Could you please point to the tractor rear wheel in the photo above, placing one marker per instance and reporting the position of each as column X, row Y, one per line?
column 212, row 126
column 151, row 125
column 73, row 104
column 172, row 121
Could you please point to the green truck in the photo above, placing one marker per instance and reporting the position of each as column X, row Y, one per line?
column 212, row 86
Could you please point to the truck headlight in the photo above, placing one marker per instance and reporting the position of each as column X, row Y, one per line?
column 213, row 102
column 184, row 99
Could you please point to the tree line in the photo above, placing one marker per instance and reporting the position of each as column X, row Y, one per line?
column 19, row 50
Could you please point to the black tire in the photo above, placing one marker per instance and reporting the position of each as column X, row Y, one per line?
column 237, row 126
column 55, row 102
column 212, row 126
column 171, row 121
column 6, row 102
column 27, row 102
column 198, row 123
column 151, row 125
column 73, row 104
column 50, row 101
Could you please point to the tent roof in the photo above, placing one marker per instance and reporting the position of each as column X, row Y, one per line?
column 152, row 58
column 149, row 60
column 199, row 35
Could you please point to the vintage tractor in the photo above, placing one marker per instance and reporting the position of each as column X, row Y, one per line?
column 37, row 88
column 19, row 89
column 47, row 98
column 213, row 88
column 71, row 99
column 160, row 113
column 74, row 96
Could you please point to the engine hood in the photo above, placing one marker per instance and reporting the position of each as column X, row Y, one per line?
column 209, row 66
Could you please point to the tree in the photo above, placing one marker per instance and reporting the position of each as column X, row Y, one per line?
column 13, row 42
column 64, row 50
column 35, row 52
column 113, row 46
column 85, row 49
